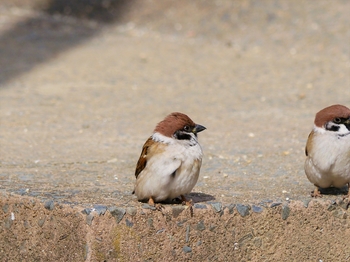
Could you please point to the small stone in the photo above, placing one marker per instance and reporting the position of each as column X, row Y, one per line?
column 199, row 243
column 41, row 221
column 344, row 204
column 187, row 233
column 212, row 228
column 257, row 242
column 257, row 209
column 230, row 208
column 117, row 212
column 275, row 204
column 100, row 209
column 331, row 207
column 128, row 223
column 26, row 224
column 160, row 231
column 89, row 219
column 131, row 211
column 200, row 206
column 150, row 222
column 243, row 210
column 8, row 223
column 177, row 210
column 200, row 226
column 86, row 211
column 5, row 208
column 216, row 206
column 147, row 206
column 49, row 204
column 245, row 238
column 338, row 213
column 306, row 202
column 285, row 212
column 187, row 249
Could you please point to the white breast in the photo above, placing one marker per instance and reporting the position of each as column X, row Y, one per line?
column 328, row 164
column 172, row 173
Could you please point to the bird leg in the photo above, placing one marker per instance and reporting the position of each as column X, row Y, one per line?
column 316, row 193
column 187, row 203
column 157, row 206
column 151, row 201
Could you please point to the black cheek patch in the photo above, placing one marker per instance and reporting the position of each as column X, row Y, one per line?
column 333, row 128
column 182, row 135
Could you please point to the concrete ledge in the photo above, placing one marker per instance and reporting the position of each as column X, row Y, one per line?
column 37, row 231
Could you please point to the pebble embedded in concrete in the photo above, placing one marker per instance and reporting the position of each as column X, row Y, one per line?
column 187, row 249
column 257, row 209
column 49, row 204
column 117, row 212
column 285, row 212
column 243, row 210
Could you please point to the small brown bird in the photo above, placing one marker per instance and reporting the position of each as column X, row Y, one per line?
column 328, row 149
column 170, row 160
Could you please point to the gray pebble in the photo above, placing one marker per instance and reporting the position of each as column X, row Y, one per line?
column 285, row 212
column 41, row 221
column 257, row 209
column 26, row 224
column 200, row 226
column 160, row 231
column 344, row 204
column 216, row 206
column 339, row 213
column 306, row 202
column 245, row 239
column 86, row 211
column 150, row 222
column 200, row 206
column 332, row 207
column 147, row 206
column 199, row 243
column 8, row 222
column 49, row 204
column 128, row 223
column 275, row 204
column 187, row 233
column 5, row 208
column 243, row 210
column 100, row 209
column 89, row 219
column 230, row 208
column 177, row 210
column 131, row 211
column 117, row 212
column 187, row 249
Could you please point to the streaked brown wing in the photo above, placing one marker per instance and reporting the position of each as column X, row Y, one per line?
column 143, row 157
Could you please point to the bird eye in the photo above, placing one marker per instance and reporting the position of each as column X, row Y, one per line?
column 337, row 120
column 187, row 128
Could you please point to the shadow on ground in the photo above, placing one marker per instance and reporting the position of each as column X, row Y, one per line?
column 52, row 31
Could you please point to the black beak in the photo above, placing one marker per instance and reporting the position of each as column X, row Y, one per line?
column 347, row 123
column 198, row 128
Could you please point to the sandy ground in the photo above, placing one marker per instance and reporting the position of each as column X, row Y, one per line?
column 83, row 85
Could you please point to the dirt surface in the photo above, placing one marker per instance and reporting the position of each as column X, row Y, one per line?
column 82, row 86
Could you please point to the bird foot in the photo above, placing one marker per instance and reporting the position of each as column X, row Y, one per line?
column 187, row 203
column 158, row 206
column 316, row 193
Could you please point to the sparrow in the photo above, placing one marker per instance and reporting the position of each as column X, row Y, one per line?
column 170, row 161
column 328, row 149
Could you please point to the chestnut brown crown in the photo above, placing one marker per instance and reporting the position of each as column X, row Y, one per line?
column 331, row 113
column 174, row 122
